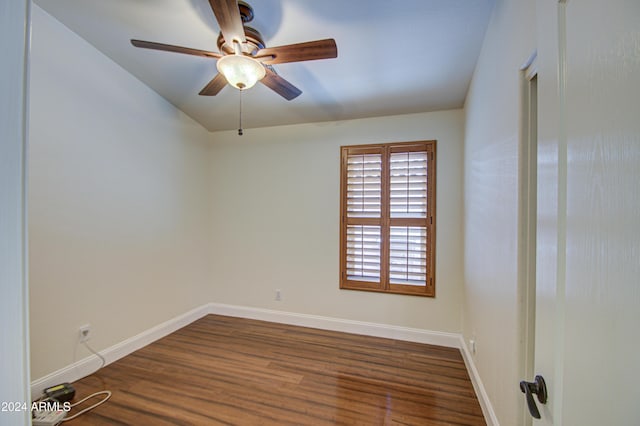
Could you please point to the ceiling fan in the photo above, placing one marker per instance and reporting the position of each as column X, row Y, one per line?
column 244, row 59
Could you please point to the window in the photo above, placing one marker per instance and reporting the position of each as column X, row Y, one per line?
column 387, row 215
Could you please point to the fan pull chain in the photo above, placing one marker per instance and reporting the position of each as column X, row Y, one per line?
column 240, row 120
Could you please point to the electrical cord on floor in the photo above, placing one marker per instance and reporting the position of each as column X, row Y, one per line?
column 106, row 392
column 104, row 361
column 45, row 415
column 93, row 395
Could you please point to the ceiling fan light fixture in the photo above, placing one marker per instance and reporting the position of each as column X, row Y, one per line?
column 241, row 72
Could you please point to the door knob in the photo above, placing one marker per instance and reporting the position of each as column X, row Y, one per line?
column 538, row 387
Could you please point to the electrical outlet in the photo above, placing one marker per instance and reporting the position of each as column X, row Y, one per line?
column 472, row 346
column 278, row 295
column 85, row 333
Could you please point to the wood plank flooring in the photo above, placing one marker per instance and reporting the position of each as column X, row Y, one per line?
column 231, row 371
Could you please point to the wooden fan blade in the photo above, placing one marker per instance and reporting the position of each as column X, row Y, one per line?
column 279, row 85
column 214, row 86
column 229, row 20
column 176, row 49
column 309, row 51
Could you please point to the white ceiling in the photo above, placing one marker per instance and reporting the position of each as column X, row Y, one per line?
column 394, row 57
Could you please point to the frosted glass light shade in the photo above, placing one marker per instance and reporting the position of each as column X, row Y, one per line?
column 240, row 71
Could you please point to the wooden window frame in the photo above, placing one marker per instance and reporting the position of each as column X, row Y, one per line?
column 385, row 222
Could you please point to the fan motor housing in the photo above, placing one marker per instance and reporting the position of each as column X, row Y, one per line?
column 246, row 12
column 253, row 44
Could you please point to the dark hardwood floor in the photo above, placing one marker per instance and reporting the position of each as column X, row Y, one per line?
column 223, row 370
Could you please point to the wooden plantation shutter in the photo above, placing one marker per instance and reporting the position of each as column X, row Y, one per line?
column 409, row 206
column 387, row 232
column 362, row 213
column 364, row 192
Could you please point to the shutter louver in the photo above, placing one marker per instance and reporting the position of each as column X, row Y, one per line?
column 363, row 253
column 364, row 185
column 408, row 189
column 407, row 255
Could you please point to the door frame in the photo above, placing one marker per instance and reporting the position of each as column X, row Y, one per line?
column 527, row 218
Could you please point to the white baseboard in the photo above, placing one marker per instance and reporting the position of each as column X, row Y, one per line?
column 88, row 365
column 481, row 393
column 451, row 340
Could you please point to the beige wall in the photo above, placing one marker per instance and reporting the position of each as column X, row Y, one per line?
column 491, row 203
column 138, row 215
column 275, row 210
column 117, row 201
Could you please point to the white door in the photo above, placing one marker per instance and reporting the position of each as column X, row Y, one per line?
column 588, row 227
column 14, row 303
